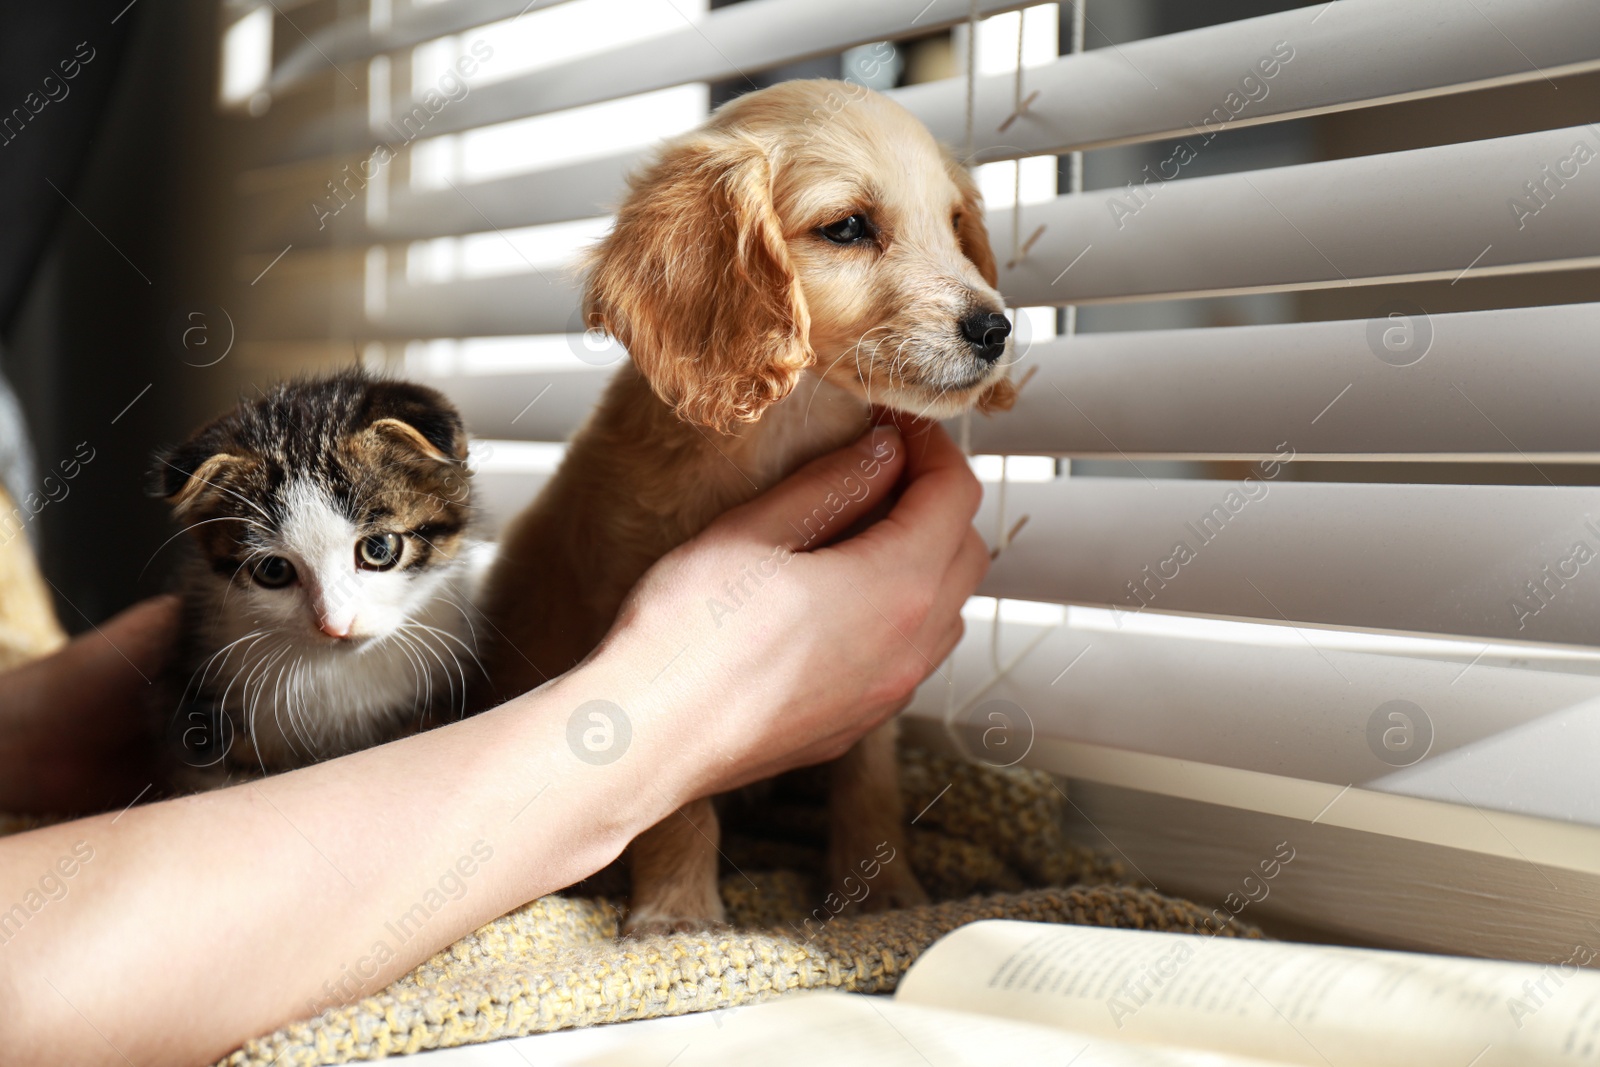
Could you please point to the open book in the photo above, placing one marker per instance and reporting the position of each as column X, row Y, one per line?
column 1006, row 992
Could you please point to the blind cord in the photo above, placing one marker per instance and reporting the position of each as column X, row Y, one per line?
column 1069, row 317
column 1004, row 532
column 1002, row 536
column 950, row 709
column 1016, row 173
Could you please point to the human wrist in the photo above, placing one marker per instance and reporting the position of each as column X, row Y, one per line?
column 613, row 722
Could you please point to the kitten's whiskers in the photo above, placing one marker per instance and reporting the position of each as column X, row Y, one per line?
column 461, row 672
column 205, row 669
column 195, row 526
column 419, row 642
column 419, row 673
column 262, row 666
column 245, row 657
column 297, row 702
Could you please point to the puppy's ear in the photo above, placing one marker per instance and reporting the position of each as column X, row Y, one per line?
column 695, row 282
column 971, row 233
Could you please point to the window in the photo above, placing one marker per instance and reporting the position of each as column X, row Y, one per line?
column 1297, row 530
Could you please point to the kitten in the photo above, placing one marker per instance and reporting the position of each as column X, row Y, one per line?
column 329, row 602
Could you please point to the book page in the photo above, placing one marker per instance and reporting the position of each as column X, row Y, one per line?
column 856, row 1030
column 1305, row 1004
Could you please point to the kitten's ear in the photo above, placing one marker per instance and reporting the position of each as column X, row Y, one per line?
column 191, row 472
column 418, row 418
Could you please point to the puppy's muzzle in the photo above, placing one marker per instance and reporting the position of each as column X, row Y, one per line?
column 986, row 332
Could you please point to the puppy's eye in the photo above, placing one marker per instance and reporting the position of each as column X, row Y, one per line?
column 848, row 230
column 955, row 222
column 274, row 572
column 378, row 552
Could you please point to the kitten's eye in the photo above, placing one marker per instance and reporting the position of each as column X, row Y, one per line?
column 848, row 230
column 274, row 572
column 379, row 552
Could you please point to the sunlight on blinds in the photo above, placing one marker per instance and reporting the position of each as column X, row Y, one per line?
column 538, row 39
column 593, row 131
column 246, row 61
column 557, row 35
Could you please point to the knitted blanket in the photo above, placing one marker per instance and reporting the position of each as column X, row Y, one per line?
column 987, row 844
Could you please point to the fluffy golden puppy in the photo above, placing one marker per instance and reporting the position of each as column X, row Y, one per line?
column 807, row 253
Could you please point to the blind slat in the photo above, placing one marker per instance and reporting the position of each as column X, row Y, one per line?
column 498, row 495
column 1429, row 213
column 1237, row 392
column 309, row 306
column 1190, row 85
column 1447, row 559
column 1465, row 386
column 1197, row 756
column 1385, row 558
column 1295, row 711
column 730, row 42
column 354, row 39
column 498, row 405
column 289, row 214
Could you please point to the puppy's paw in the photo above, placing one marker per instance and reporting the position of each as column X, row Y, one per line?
column 688, row 908
column 650, row 923
column 872, row 877
column 893, row 889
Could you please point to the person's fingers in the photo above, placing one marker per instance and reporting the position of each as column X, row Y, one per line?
column 80, row 720
column 148, row 628
column 947, row 642
column 932, row 447
column 138, row 639
column 909, row 425
column 968, row 569
column 102, row 665
column 928, row 523
column 959, row 582
column 824, row 498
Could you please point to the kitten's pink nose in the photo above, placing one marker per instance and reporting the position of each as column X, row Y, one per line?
column 339, row 628
column 334, row 611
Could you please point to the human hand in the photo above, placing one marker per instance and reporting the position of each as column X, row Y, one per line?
column 78, row 731
column 772, row 645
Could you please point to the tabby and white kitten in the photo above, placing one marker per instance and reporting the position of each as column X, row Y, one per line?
column 330, row 602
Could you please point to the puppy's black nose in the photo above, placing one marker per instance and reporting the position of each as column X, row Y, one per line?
column 986, row 331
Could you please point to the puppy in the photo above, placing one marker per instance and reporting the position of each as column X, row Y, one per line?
column 808, row 252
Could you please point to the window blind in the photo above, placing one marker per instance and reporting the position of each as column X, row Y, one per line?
column 1234, row 644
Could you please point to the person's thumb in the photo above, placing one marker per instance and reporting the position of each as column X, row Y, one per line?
column 822, row 500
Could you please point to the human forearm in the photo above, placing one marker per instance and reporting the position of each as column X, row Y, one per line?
column 235, row 911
